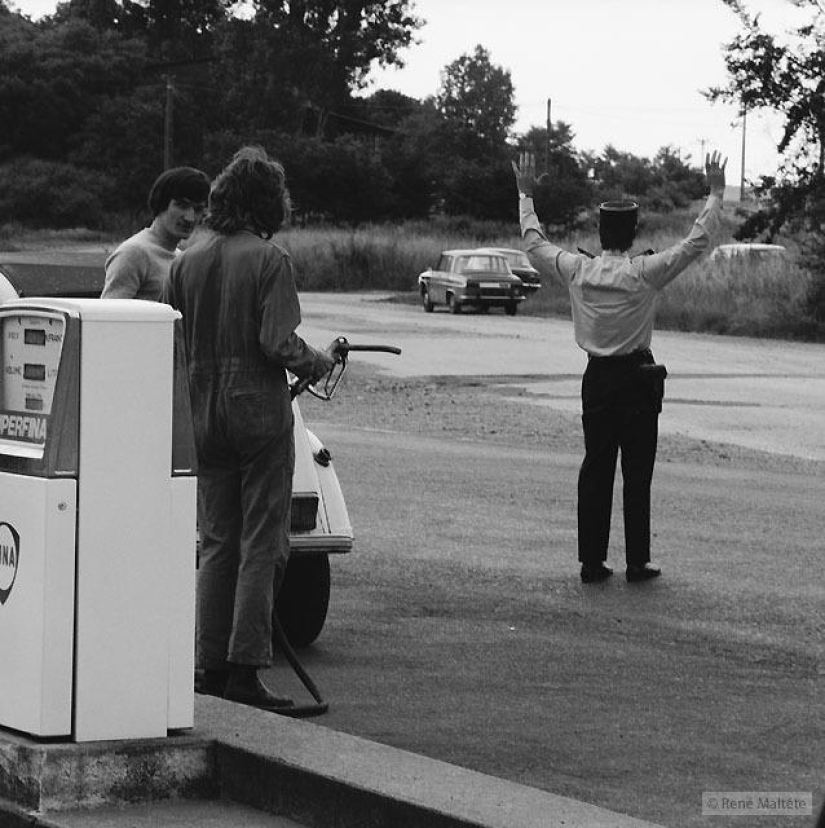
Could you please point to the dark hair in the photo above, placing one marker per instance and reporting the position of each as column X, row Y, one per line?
column 617, row 224
column 251, row 192
column 178, row 183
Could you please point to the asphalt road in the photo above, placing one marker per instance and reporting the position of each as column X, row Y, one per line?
column 459, row 628
column 760, row 394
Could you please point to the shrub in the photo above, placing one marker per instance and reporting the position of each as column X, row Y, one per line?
column 52, row 194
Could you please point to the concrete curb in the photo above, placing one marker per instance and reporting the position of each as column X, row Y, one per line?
column 319, row 776
column 296, row 769
column 45, row 777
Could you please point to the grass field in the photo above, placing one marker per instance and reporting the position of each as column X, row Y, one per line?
column 769, row 300
column 762, row 299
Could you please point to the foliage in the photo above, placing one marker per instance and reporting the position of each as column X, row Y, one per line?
column 564, row 190
column 52, row 79
column 476, row 100
column 788, row 78
column 118, row 88
column 51, row 194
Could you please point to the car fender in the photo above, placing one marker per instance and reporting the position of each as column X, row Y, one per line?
column 7, row 291
column 315, row 475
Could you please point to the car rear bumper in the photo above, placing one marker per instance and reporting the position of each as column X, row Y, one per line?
column 490, row 296
column 306, row 544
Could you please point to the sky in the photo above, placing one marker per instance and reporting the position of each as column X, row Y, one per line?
column 628, row 73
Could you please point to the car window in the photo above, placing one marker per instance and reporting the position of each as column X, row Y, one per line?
column 489, row 264
column 518, row 259
column 460, row 264
column 443, row 263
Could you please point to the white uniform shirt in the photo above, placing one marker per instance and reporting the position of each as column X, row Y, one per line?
column 613, row 296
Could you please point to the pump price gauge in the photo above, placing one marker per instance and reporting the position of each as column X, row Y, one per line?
column 30, row 348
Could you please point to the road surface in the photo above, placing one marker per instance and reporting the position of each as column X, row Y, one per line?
column 761, row 394
column 459, row 628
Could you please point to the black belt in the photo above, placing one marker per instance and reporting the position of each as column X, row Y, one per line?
column 642, row 355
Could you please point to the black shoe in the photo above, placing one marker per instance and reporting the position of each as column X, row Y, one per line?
column 593, row 573
column 211, row 682
column 245, row 687
column 642, row 572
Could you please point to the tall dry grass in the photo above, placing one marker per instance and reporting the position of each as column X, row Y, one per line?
column 380, row 257
column 754, row 299
column 766, row 299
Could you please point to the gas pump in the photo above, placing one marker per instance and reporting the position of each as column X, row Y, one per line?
column 97, row 521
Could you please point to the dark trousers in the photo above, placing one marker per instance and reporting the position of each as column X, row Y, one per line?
column 243, row 517
column 246, row 457
column 620, row 413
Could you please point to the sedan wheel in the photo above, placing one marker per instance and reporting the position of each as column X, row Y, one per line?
column 303, row 599
column 510, row 308
column 426, row 301
column 455, row 305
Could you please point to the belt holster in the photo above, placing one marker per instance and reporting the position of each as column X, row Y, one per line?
column 653, row 383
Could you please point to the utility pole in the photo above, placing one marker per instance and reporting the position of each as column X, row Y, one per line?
column 167, row 126
column 168, row 68
column 742, row 174
column 547, row 143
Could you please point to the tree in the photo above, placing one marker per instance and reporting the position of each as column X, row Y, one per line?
column 386, row 107
column 52, row 194
column 321, row 51
column 172, row 29
column 53, row 77
column 476, row 100
column 788, row 78
column 564, row 191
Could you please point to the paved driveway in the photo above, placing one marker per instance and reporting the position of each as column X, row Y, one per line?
column 761, row 394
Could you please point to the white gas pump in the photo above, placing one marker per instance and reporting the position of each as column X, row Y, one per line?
column 97, row 521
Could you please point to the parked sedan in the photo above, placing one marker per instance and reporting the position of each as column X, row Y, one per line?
column 520, row 265
column 470, row 278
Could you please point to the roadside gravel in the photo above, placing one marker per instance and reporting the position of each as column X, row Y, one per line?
column 468, row 408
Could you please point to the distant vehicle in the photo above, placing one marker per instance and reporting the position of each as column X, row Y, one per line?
column 471, row 278
column 751, row 252
column 519, row 264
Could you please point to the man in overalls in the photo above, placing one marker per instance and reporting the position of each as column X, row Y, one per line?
column 236, row 292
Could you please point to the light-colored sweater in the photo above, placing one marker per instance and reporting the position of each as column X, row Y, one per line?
column 138, row 268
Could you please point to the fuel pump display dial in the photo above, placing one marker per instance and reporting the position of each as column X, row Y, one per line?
column 30, row 348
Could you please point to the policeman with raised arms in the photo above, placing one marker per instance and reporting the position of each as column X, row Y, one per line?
column 613, row 300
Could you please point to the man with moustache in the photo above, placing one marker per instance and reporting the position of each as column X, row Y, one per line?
column 139, row 267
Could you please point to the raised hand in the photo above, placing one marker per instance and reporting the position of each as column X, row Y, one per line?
column 525, row 172
column 715, row 173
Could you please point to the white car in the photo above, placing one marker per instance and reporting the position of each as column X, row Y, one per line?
column 750, row 252
column 471, row 278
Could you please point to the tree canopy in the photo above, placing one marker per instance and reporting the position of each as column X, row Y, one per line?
column 784, row 75
column 98, row 97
